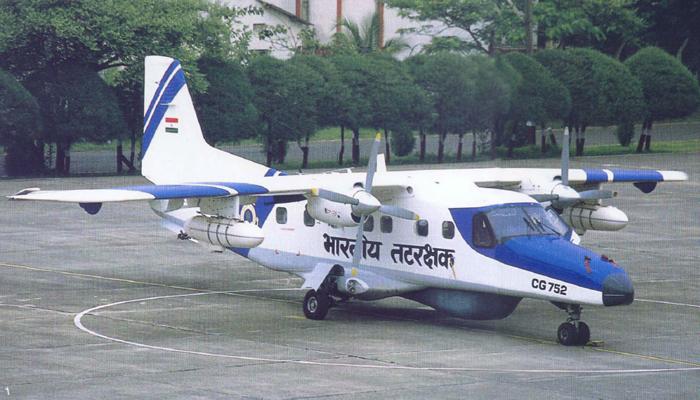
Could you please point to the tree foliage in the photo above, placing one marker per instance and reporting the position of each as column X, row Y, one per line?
column 670, row 90
column 364, row 37
column 603, row 91
column 602, row 24
column 673, row 26
column 106, row 34
column 286, row 96
column 467, row 93
column 354, row 70
column 226, row 111
column 489, row 23
column 77, row 104
column 538, row 97
column 20, row 125
column 19, row 112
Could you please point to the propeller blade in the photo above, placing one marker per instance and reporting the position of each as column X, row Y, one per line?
column 334, row 196
column 565, row 157
column 372, row 167
column 399, row 212
column 357, row 254
column 541, row 198
column 596, row 194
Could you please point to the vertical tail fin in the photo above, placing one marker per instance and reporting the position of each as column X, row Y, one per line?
column 173, row 148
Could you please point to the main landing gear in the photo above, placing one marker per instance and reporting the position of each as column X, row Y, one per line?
column 317, row 303
column 573, row 332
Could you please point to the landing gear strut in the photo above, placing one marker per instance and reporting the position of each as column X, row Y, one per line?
column 573, row 332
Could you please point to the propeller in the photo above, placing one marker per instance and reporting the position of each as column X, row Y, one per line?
column 363, row 202
column 563, row 195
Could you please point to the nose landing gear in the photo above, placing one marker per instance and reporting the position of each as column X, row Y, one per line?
column 573, row 332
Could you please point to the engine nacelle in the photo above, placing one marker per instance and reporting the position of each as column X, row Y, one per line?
column 595, row 218
column 224, row 232
column 331, row 212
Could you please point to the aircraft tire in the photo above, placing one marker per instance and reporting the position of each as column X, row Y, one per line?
column 567, row 335
column 584, row 334
column 316, row 304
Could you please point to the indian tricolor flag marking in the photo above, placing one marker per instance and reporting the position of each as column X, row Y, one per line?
column 171, row 124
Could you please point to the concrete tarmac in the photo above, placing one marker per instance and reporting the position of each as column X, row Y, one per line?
column 114, row 306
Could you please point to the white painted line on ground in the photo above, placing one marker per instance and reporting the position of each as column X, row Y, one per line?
column 77, row 321
column 667, row 302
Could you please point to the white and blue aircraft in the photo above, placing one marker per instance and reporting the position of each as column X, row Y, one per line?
column 468, row 242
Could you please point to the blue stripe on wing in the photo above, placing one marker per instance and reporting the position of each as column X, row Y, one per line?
column 623, row 175
column 241, row 188
column 179, row 191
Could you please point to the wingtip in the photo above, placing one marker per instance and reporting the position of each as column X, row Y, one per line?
column 19, row 195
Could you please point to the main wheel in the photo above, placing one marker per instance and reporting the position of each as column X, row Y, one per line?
column 566, row 334
column 584, row 334
column 316, row 305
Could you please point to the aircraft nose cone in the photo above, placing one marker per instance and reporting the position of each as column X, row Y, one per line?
column 617, row 290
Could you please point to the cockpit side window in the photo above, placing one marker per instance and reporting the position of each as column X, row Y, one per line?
column 482, row 234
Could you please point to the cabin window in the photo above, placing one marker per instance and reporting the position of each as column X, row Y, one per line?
column 386, row 224
column 369, row 224
column 308, row 219
column 422, row 227
column 482, row 235
column 448, row 229
column 281, row 215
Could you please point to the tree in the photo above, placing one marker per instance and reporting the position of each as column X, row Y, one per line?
column 670, row 90
column 493, row 25
column 443, row 77
column 117, row 33
column 41, row 35
column 286, row 96
column 393, row 95
column 353, row 70
column 364, row 38
column 490, row 98
column 606, row 25
column 538, row 97
column 602, row 89
column 75, row 104
column 333, row 100
column 673, row 26
column 20, row 126
column 488, row 23
column 226, row 110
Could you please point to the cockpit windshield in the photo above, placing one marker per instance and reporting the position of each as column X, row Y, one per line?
column 512, row 220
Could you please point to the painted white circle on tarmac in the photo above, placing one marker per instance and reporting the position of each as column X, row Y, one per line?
column 77, row 320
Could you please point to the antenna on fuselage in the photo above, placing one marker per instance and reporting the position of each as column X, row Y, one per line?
column 565, row 157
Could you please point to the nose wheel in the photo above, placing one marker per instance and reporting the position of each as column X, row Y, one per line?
column 573, row 332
